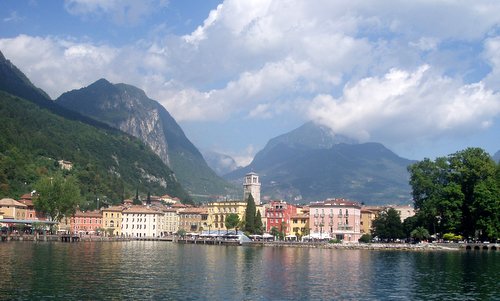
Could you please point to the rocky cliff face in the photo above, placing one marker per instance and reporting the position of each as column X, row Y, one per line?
column 129, row 109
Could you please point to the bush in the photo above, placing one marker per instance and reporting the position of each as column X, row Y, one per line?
column 365, row 238
column 334, row 241
column 452, row 237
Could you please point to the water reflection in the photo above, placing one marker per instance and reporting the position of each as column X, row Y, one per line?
column 162, row 271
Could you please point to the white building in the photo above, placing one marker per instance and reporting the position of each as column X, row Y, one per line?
column 251, row 185
column 142, row 221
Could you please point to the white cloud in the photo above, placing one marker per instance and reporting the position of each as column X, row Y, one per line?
column 401, row 106
column 245, row 157
column 263, row 59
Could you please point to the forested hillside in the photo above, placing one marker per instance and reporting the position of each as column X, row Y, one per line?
column 108, row 164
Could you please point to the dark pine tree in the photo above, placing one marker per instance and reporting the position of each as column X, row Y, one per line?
column 258, row 223
column 250, row 215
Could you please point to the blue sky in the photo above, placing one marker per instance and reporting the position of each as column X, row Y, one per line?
column 421, row 77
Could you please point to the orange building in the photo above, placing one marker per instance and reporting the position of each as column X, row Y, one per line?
column 86, row 222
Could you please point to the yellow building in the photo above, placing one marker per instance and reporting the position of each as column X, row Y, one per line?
column 299, row 224
column 112, row 219
column 218, row 211
column 367, row 217
column 12, row 209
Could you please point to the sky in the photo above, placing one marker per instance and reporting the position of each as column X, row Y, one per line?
column 422, row 77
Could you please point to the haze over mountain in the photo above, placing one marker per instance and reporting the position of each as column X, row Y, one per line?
column 311, row 163
column 496, row 156
column 127, row 108
column 36, row 133
column 220, row 163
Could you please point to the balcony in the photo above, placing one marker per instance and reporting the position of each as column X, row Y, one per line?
column 345, row 227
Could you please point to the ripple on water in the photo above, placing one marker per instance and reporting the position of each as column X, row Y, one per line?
column 159, row 271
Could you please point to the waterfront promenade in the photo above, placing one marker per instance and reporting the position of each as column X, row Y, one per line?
column 292, row 244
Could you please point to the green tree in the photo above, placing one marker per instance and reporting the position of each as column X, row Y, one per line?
column 365, row 238
column 258, row 226
column 274, row 232
column 419, row 234
column 458, row 194
column 57, row 196
column 250, row 215
column 181, row 232
column 388, row 226
column 232, row 220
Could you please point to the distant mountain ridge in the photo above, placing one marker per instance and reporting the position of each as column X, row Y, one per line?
column 310, row 163
column 129, row 109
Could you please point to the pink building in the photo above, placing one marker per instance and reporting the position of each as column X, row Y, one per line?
column 86, row 222
column 278, row 215
column 335, row 218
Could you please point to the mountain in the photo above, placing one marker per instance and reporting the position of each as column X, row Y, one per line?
column 496, row 157
column 220, row 163
column 127, row 108
column 36, row 134
column 13, row 81
column 311, row 163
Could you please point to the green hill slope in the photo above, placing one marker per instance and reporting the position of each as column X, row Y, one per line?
column 107, row 164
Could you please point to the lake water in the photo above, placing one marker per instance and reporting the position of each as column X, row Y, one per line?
column 139, row 270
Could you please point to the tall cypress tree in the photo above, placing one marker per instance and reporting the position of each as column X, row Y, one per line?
column 250, row 215
column 258, row 223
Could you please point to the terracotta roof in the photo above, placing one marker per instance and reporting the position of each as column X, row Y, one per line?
column 94, row 213
column 26, row 196
column 335, row 202
column 11, row 202
column 113, row 208
column 178, row 205
column 141, row 209
column 194, row 211
column 169, row 210
column 27, row 202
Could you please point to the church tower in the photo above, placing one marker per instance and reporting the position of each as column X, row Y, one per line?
column 251, row 185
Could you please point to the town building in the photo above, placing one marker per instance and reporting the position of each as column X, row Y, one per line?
column 278, row 216
column 31, row 213
column 64, row 164
column 169, row 200
column 405, row 211
column 12, row 209
column 300, row 224
column 171, row 219
column 251, row 185
column 141, row 221
column 193, row 219
column 86, row 222
column 368, row 214
column 112, row 220
column 335, row 218
column 219, row 210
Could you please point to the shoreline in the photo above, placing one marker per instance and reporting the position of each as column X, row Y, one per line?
column 367, row 246
column 321, row 245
